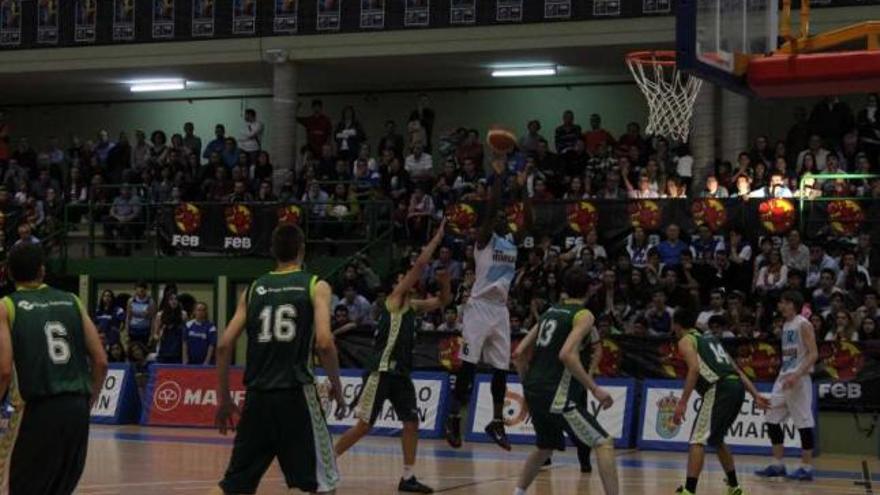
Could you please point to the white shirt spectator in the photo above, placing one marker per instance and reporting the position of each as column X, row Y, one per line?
column 684, row 166
column 251, row 136
column 703, row 319
column 820, row 155
column 419, row 167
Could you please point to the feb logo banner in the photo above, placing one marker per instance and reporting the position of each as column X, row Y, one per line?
column 518, row 419
column 748, row 435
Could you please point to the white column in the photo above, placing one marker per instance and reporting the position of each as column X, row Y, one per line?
column 734, row 124
column 702, row 140
column 283, row 129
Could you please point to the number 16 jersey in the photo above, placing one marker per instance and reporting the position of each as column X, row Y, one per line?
column 280, row 331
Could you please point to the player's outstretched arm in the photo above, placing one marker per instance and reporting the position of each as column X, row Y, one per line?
column 5, row 350
column 324, row 345
column 571, row 357
column 528, row 210
column 412, row 277
column 97, row 356
column 227, row 408
column 688, row 352
column 439, row 301
column 488, row 225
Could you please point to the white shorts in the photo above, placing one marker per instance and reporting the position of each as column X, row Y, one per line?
column 486, row 334
column 795, row 403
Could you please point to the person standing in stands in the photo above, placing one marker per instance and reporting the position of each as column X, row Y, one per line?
column 139, row 315
column 200, row 337
column 168, row 330
column 251, row 137
column 109, row 318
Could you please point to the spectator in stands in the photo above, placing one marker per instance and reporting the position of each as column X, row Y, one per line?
column 868, row 330
column 529, row 142
column 139, row 315
column 868, row 124
column 815, row 148
column 240, row 193
column 567, row 134
column 850, row 270
column 317, row 200
column 140, row 153
column 341, row 321
column 451, row 323
column 819, row 261
column 826, row 289
column 830, row 118
column 794, row 254
column 743, row 186
column 471, row 149
column 26, row 235
column 349, row 135
column 218, row 144
column 714, row 189
column 109, row 318
column 612, row 189
column 318, row 127
column 192, row 142
column 265, row 194
column 671, row 248
column 391, row 140
column 419, row 214
column 159, row 149
column 358, row 306
column 715, row 309
column 658, row 315
column 419, row 165
column 444, row 262
column 116, row 353
column 123, row 222
column 772, row 277
column 251, row 135
column 844, row 328
column 119, row 159
column 200, row 337
column 168, row 331
column 103, row 146
column 425, row 116
column 597, row 137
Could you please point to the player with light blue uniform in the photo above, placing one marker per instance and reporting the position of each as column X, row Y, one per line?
column 792, row 395
column 486, row 319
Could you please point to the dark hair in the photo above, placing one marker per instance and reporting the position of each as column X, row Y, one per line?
column 101, row 305
column 287, row 240
column 250, row 111
column 317, row 102
column 141, row 284
column 684, row 317
column 829, row 271
column 719, row 320
column 576, row 282
column 793, row 297
column 25, row 262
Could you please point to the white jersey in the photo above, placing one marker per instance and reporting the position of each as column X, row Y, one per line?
column 495, row 270
column 794, row 349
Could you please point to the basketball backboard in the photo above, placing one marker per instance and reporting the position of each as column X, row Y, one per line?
column 715, row 38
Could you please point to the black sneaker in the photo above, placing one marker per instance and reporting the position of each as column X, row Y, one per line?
column 548, row 462
column 412, row 485
column 586, row 467
column 452, row 431
column 496, row 432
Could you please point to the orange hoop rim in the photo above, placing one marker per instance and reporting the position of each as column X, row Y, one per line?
column 664, row 58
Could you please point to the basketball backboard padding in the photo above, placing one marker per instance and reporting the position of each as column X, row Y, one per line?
column 815, row 74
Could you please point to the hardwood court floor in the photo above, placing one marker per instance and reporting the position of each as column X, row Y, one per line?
column 132, row 460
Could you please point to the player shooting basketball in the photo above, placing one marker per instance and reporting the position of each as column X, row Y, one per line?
column 486, row 320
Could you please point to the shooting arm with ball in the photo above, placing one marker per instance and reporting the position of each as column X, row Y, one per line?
column 398, row 295
column 487, row 228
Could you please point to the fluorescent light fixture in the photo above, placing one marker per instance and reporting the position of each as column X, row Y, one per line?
column 525, row 71
column 146, row 85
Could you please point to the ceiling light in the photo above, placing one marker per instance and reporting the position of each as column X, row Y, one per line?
column 146, row 85
column 525, row 71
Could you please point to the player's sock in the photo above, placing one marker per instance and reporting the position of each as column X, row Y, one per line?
column 407, row 472
column 690, row 485
column 519, row 491
column 731, row 479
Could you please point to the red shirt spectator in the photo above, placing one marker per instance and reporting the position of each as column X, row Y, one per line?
column 318, row 126
column 596, row 136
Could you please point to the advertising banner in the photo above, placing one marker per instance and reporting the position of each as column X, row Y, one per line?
column 518, row 421
column 509, row 11
column 47, row 21
column 285, row 16
column 463, row 12
column 748, row 435
column 329, row 15
column 163, row 19
column 118, row 401
column 417, row 13
column 244, row 16
column 85, row 18
column 123, row 20
column 372, row 14
column 557, row 9
column 203, row 18
column 10, row 22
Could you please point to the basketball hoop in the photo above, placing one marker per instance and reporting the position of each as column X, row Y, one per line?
column 671, row 94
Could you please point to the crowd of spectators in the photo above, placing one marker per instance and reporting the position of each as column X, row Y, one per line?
column 735, row 280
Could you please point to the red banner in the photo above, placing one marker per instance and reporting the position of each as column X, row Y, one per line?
column 186, row 396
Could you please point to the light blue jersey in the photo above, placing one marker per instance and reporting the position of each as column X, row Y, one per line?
column 794, row 349
column 495, row 270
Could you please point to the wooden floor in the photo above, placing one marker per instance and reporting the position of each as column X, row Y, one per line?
column 133, row 461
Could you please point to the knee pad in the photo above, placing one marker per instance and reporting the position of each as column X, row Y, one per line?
column 775, row 433
column 604, row 447
column 499, row 386
column 807, row 440
column 464, row 381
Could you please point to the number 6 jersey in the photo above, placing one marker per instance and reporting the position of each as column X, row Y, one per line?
column 280, row 331
column 48, row 342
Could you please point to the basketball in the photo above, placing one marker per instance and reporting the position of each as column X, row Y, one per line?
column 501, row 140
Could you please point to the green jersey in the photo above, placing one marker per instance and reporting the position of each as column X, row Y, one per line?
column 547, row 374
column 48, row 342
column 715, row 363
column 280, row 331
column 393, row 341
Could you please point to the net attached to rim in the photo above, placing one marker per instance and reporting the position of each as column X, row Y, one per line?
column 670, row 93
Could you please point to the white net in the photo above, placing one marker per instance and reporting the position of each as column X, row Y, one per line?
column 671, row 94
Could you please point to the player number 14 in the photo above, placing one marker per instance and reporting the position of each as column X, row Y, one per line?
column 280, row 321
